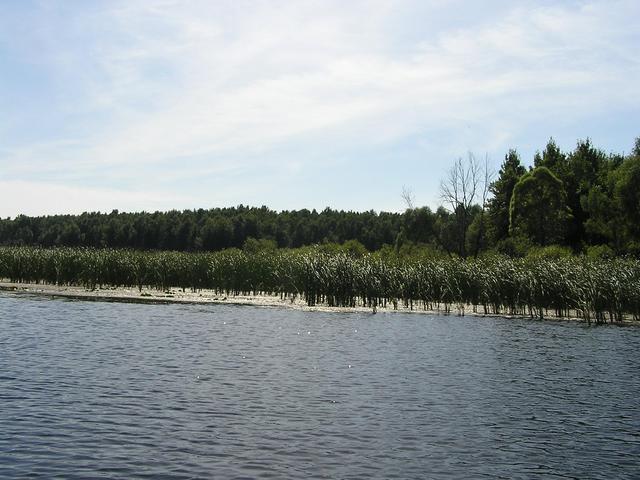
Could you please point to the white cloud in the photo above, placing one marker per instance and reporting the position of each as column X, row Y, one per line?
column 38, row 198
column 200, row 83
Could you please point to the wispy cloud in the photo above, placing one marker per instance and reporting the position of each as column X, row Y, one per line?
column 188, row 90
column 41, row 198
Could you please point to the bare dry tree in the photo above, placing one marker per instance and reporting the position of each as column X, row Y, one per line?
column 466, row 184
column 488, row 175
column 461, row 184
column 409, row 197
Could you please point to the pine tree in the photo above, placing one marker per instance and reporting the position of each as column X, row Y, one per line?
column 502, row 189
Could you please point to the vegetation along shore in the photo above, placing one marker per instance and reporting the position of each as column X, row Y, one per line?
column 585, row 200
column 561, row 238
column 599, row 290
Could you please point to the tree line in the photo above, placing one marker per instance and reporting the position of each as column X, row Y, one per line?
column 584, row 200
column 203, row 230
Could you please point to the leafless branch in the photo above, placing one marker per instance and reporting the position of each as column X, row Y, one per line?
column 460, row 187
column 408, row 197
column 466, row 183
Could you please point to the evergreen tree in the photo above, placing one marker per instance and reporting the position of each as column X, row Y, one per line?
column 627, row 201
column 502, row 189
column 538, row 209
column 551, row 157
column 585, row 169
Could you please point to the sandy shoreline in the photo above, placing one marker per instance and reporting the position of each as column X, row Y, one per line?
column 177, row 296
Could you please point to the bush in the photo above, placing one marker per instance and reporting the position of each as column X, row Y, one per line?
column 550, row 252
column 600, row 251
column 251, row 245
column 517, row 246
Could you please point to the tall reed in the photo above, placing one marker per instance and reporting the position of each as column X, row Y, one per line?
column 596, row 290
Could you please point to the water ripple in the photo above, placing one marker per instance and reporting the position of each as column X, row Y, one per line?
column 172, row 391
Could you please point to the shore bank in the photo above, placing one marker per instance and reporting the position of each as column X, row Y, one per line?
column 177, row 296
column 147, row 295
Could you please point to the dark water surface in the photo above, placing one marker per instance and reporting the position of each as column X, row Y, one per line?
column 181, row 391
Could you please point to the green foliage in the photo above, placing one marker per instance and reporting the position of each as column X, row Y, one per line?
column 627, row 196
column 538, row 207
column 502, row 190
column 603, row 223
column 448, row 227
column 592, row 288
column 514, row 246
column 633, row 248
column 210, row 230
column 411, row 251
column 253, row 245
column 352, row 248
column 549, row 252
column 419, row 224
column 600, row 252
column 585, row 168
column 600, row 190
column 217, row 233
column 551, row 158
column 477, row 241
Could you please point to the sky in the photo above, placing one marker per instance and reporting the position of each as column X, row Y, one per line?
column 159, row 105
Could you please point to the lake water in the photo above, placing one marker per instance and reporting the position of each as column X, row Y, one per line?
column 92, row 389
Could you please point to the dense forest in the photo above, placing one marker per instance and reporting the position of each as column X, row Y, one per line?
column 585, row 201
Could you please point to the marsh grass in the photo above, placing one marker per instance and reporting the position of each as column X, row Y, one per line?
column 598, row 290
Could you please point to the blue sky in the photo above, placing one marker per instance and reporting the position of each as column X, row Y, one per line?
column 156, row 105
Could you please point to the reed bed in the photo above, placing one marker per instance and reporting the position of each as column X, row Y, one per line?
column 595, row 290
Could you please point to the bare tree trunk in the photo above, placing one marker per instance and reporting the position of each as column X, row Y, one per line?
column 466, row 181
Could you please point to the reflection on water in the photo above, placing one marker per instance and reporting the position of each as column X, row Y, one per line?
column 175, row 391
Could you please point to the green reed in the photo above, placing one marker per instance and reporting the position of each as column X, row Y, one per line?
column 594, row 289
